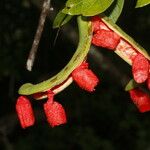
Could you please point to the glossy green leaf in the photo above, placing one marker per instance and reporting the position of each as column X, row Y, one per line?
column 131, row 85
column 86, row 7
column 142, row 3
column 115, row 10
column 61, row 19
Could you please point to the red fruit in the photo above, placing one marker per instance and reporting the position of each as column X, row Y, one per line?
column 95, row 23
column 98, row 24
column 25, row 112
column 55, row 113
column 106, row 39
column 140, row 68
column 140, row 99
column 85, row 78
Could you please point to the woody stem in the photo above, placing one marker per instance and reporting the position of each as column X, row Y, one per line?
column 37, row 37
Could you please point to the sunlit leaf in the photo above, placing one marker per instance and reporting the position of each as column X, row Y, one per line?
column 86, row 7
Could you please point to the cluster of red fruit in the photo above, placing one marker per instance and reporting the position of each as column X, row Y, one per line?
column 140, row 71
column 54, row 111
column 103, row 36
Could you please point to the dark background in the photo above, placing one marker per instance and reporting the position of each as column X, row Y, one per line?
column 103, row 120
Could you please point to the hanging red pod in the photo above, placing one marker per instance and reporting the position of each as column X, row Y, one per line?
column 106, row 39
column 85, row 78
column 140, row 68
column 54, row 111
column 25, row 112
column 140, row 99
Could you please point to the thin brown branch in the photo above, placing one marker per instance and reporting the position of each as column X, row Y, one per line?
column 31, row 57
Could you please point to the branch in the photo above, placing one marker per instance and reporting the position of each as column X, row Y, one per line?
column 31, row 57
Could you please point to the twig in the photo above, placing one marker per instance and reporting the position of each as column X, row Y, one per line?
column 31, row 57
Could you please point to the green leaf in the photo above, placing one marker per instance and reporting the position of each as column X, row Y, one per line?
column 131, row 85
column 86, row 7
column 61, row 19
column 142, row 3
column 115, row 10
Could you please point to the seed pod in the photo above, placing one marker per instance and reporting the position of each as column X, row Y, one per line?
column 140, row 99
column 140, row 68
column 25, row 112
column 85, row 78
column 106, row 39
column 55, row 113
